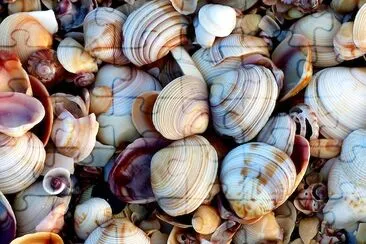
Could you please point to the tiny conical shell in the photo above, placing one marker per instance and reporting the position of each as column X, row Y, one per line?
column 89, row 215
column 56, row 181
column 181, row 108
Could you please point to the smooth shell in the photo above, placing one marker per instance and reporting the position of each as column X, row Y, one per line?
column 39, row 238
column 359, row 36
column 185, row 7
column 206, row 220
column 7, row 221
column 344, row 44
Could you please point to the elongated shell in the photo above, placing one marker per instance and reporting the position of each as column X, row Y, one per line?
column 39, row 238
column 25, row 33
column 19, row 113
column 75, row 137
column 91, row 214
column 22, row 161
column 151, row 31
column 74, row 58
column 337, row 95
column 256, row 178
column 7, row 221
column 103, row 35
column 179, row 183
column 242, row 101
column 118, row 231
column 181, row 108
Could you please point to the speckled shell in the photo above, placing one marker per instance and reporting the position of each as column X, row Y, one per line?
column 179, row 183
column 242, row 100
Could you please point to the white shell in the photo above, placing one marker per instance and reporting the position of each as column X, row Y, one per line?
column 100, row 155
column 60, row 174
column 57, row 160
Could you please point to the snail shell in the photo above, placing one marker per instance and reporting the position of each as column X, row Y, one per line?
column 39, row 238
column 179, row 184
column 23, row 161
column 151, row 31
column 181, row 108
column 242, row 101
column 329, row 93
column 7, row 221
column 118, row 231
column 57, row 181
column 25, row 33
column 91, row 214
column 19, row 113
column 103, row 35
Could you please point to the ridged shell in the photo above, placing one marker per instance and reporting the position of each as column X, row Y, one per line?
column 19, row 113
column 359, row 36
column 181, row 108
column 89, row 215
column 103, row 35
column 179, row 183
column 39, row 238
column 306, row 121
column 337, row 95
column 25, row 33
column 22, row 161
column 320, row 28
column 279, row 132
column 151, row 31
column 75, row 137
column 7, row 221
column 185, row 62
column 344, row 44
column 256, row 178
column 242, row 101
column 36, row 210
column 118, row 231
column 185, row 7
column 74, row 58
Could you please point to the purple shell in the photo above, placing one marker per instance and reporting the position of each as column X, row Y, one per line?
column 7, row 221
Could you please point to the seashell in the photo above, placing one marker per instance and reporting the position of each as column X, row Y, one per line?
column 176, row 187
column 252, row 90
column 24, row 6
column 117, row 231
column 100, row 155
column 225, row 232
column 50, row 4
column 325, row 148
column 359, row 37
column 238, row 4
column 286, row 217
column 13, row 76
column 50, row 210
column 361, row 233
column 27, row 32
column 71, row 14
column 75, row 137
column 344, row 45
column 185, row 62
column 293, row 55
column 308, row 228
column 328, row 95
column 75, row 105
column 157, row 237
column 266, row 229
column 306, row 121
column 103, row 35
column 44, row 65
column 39, row 238
column 185, row 7
column 23, row 159
column 89, row 215
column 100, row 99
column 127, row 9
column 74, row 58
column 157, row 27
column 142, row 114
column 57, row 181
column 20, row 113
column 184, row 221
column 206, row 220
column 150, row 225
column 279, row 132
column 125, row 83
column 8, row 221
column 312, row 199
column 178, row 235
column 320, row 28
column 343, row 6
column 247, row 24
column 129, row 178
column 181, row 108
column 57, row 160
column 265, row 180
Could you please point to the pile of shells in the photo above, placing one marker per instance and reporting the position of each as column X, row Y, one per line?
column 182, row 121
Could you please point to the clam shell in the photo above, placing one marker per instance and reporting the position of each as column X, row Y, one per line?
column 24, row 6
column 242, row 100
column 100, row 155
column 75, row 105
column 279, row 132
column 25, row 33
column 20, row 113
column 286, row 217
column 247, row 24
column 100, row 99
column 359, row 36
column 225, row 232
column 181, row 187
column 23, row 161
column 103, row 35
column 185, row 7
column 151, row 31
column 320, row 28
column 328, row 94
column 89, row 215
column 204, row 38
column 344, row 44
column 49, row 214
column 118, row 231
column 74, row 58
column 206, row 220
column 39, row 238
column 343, row 6
column 57, row 160
column 361, row 235
column 185, row 62
column 238, row 4
column 325, row 148
column 7, row 221
column 308, row 229
column 181, row 108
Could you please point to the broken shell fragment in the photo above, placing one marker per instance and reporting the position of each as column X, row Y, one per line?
column 325, row 148
column 311, row 199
